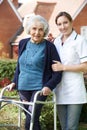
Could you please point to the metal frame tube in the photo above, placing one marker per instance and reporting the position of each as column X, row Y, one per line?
column 20, row 105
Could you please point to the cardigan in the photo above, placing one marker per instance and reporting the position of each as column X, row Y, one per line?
column 50, row 78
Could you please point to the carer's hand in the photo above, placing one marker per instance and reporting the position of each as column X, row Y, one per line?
column 57, row 66
column 46, row 91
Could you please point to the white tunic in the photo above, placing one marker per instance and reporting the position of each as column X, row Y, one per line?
column 72, row 89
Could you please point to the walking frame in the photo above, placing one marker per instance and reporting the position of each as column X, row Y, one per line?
column 8, row 100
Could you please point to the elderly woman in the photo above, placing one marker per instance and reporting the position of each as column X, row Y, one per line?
column 33, row 71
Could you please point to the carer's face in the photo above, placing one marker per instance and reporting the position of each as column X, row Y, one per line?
column 64, row 25
column 37, row 32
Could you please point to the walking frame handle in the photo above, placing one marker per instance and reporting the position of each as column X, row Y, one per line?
column 2, row 91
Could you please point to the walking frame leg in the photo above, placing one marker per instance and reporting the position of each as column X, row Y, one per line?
column 18, row 103
column 33, row 110
column 55, row 111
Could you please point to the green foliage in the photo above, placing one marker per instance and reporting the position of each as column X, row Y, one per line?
column 83, row 117
column 47, row 116
column 12, row 94
column 7, row 68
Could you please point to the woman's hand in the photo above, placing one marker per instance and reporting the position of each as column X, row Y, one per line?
column 46, row 91
column 11, row 86
column 57, row 66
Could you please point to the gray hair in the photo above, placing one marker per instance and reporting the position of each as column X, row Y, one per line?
column 29, row 20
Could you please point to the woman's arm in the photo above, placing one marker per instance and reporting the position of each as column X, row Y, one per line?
column 51, row 78
column 57, row 66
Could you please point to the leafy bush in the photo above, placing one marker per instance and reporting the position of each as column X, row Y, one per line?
column 47, row 116
column 7, row 68
column 83, row 117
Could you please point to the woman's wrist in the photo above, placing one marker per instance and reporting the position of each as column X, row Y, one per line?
column 64, row 68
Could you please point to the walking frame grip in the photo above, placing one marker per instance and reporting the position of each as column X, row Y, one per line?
column 21, row 103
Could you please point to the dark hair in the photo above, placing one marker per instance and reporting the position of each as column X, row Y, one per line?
column 63, row 14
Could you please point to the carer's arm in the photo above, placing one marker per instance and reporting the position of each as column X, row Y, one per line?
column 56, row 76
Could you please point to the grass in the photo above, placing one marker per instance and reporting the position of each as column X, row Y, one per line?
column 10, row 115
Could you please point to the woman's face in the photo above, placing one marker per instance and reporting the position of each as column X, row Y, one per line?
column 37, row 32
column 64, row 25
